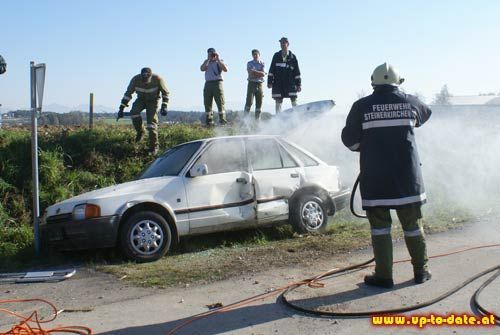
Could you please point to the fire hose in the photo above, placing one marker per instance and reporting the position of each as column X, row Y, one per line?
column 315, row 282
column 475, row 298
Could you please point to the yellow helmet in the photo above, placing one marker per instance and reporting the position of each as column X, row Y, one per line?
column 386, row 74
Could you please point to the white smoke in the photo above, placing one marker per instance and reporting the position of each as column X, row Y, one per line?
column 459, row 152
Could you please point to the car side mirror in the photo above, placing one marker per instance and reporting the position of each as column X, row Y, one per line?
column 198, row 170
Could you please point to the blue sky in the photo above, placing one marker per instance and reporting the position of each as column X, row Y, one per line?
column 97, row 46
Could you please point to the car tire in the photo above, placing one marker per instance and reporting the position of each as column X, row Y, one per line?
column 145, row 237
column 308, row 214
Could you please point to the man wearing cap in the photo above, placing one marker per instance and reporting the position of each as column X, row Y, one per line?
column 381, row 128
column 284, row 76
column 213, row 67
column 256, row 74
column 148, row 87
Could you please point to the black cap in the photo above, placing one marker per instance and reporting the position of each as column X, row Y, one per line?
column 145, row 70
column 284, row 39
column 210, row 50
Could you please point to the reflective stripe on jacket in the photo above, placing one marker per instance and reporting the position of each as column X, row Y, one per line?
column 284, row 75
column 147, row 90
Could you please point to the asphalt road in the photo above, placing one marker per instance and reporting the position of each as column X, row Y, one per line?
column 112, row 307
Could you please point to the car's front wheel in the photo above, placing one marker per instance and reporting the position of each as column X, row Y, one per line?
column 308, row 214
column 145, row 237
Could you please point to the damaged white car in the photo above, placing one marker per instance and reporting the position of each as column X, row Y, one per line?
column 203, row 186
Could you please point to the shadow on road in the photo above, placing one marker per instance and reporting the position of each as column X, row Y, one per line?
column 247, row 317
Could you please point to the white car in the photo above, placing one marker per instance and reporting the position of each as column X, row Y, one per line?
column 198, row 187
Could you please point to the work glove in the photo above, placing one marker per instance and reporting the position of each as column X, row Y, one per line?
column 163, row 110
column 120, row 112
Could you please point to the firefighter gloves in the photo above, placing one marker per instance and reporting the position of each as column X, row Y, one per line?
column 163, row 110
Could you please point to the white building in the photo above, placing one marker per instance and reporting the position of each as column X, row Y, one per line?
column 474, row 100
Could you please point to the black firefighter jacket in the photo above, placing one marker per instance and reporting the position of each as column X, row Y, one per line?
column 284, row 75
column 380, row 126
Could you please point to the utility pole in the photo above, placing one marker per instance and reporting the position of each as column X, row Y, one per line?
column 91, row 111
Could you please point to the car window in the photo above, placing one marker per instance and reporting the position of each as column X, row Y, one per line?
column 225, row 155
column 172, row 162
column 304, row 158
column 288, row 161
column 264, row 154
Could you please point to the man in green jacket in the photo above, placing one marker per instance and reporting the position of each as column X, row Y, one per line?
column 148, row 87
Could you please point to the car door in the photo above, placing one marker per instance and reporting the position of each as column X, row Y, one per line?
column 276, row 176
column 223, row 198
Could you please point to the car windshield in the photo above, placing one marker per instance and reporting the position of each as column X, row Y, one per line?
column 172, row 162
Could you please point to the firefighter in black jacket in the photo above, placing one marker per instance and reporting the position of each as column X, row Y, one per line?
column 284, row 76
column 381, row 127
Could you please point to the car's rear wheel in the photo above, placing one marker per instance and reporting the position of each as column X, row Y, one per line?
column 308, row 214
column 145, row 237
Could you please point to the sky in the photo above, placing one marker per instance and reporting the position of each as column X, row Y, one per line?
column 97, row 46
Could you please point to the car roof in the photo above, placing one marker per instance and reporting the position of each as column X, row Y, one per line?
column 209, row 139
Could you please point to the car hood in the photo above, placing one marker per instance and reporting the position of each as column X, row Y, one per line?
column 123, row 191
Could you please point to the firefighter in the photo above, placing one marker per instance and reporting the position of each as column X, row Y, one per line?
column 381, row 128
column 284, row 76
column 148, row 87
column 3, row 65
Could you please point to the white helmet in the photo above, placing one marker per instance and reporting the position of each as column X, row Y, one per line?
column 386, row 74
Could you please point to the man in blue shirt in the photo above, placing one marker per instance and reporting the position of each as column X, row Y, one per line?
column 256, row 74
column 213, row 67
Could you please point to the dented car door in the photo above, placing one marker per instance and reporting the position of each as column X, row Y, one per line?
column 276, row 176
column 223, row 196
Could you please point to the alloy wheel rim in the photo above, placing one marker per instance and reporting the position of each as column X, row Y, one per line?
column 312, row 215
column 146, row 237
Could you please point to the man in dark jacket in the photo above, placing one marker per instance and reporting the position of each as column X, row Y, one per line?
column 284, row 76
column 381, row 127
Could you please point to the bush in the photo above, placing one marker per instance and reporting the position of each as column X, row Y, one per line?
column 71, row 161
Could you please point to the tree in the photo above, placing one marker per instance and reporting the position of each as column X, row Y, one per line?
column 420, row 96
column 443, row 97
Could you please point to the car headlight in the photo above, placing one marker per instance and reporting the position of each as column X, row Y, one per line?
column 86, row 211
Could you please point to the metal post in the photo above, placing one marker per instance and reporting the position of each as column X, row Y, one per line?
column 91, row 111
column 34, row 159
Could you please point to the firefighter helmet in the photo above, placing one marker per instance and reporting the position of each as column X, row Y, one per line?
column 386, row 74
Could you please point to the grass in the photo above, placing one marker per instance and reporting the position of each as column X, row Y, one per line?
column 72, row 160
column 222, row 256
column 75, row 160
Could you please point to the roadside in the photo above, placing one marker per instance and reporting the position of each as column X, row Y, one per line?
column 115, row 307
column 222, row 256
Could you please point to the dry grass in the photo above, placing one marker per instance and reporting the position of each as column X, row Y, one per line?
column 260, row 251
